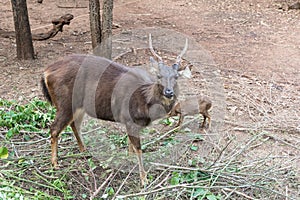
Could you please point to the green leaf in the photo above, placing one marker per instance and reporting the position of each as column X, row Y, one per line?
column 199, row 192
column 198, row 137
column 167, row 121
column 9, row 133
column 194, row 148
column 211, row 197
column 26, row 137
column 192, row 162
column 91, row 164
column 3, row 152
column 174, row 181
column 175, row 178
column 110, row 191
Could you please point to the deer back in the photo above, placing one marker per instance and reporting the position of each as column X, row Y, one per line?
column 105, row 89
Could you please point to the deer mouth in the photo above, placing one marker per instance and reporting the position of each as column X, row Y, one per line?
column 169, row 97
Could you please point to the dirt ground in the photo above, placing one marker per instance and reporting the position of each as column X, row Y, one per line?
column 254, row 45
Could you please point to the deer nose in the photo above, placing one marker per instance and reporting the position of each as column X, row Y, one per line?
column 169, row 93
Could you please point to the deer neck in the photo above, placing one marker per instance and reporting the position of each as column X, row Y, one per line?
column 154, row 95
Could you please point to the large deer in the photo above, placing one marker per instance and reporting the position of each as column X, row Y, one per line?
column 106, row 90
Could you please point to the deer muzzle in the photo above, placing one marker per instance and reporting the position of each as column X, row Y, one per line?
column 169, row 93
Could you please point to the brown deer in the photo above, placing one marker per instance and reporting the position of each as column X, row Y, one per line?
column 106, row 90
column 192, row 106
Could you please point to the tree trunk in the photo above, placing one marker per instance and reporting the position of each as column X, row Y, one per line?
column 107, row 20
column 22, row 30
column 95, row 23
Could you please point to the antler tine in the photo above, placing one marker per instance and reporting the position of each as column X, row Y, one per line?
column 178, row 59
column 152, row 50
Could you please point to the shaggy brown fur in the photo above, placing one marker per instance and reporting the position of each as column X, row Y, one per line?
column 106, row 90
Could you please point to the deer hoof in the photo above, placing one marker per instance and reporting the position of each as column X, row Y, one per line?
column 82, row 149
column 55, row 166
column 144, row 180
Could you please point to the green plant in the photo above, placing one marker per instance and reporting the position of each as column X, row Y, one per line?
column 3, row 152
column 109, row 192
column 201, row 193
column 11, row 190
column 169, row 121
column 190, row 177
column 33, row 116
column 194, row 147
column 170, row 141
column 119, row 140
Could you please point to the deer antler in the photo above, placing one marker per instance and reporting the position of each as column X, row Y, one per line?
column 152, row 50
column 178, row 59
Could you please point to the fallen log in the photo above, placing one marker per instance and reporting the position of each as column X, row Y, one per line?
column 58, row 25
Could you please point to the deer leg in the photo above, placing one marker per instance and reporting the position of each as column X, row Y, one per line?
column 59, row 124
column 204, row 120
column 133, row 131
column 180, row 120
column 54, row 148
column 205, row 116
column 136, row 146
column 209, row 120
column 75, row 125
column 130, row 147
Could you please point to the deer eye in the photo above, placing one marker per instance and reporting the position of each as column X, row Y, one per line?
column 175, row 66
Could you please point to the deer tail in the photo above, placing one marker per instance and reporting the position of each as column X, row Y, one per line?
column 45, row 90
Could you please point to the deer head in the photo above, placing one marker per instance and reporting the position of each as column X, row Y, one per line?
column 167, row 75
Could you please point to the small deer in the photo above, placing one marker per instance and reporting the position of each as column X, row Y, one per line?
column 192, row 106
column 106, row 90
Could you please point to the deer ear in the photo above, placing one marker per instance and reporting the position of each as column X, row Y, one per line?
column 186, row 73
column 152, row 61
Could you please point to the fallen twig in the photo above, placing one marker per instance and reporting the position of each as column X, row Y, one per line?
column 179, row 167
column 191, row 186
column 221, row 153
column 42, row 174
column 101, row 186
column 169, row 132
column 120, row 187
column 239, row 193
